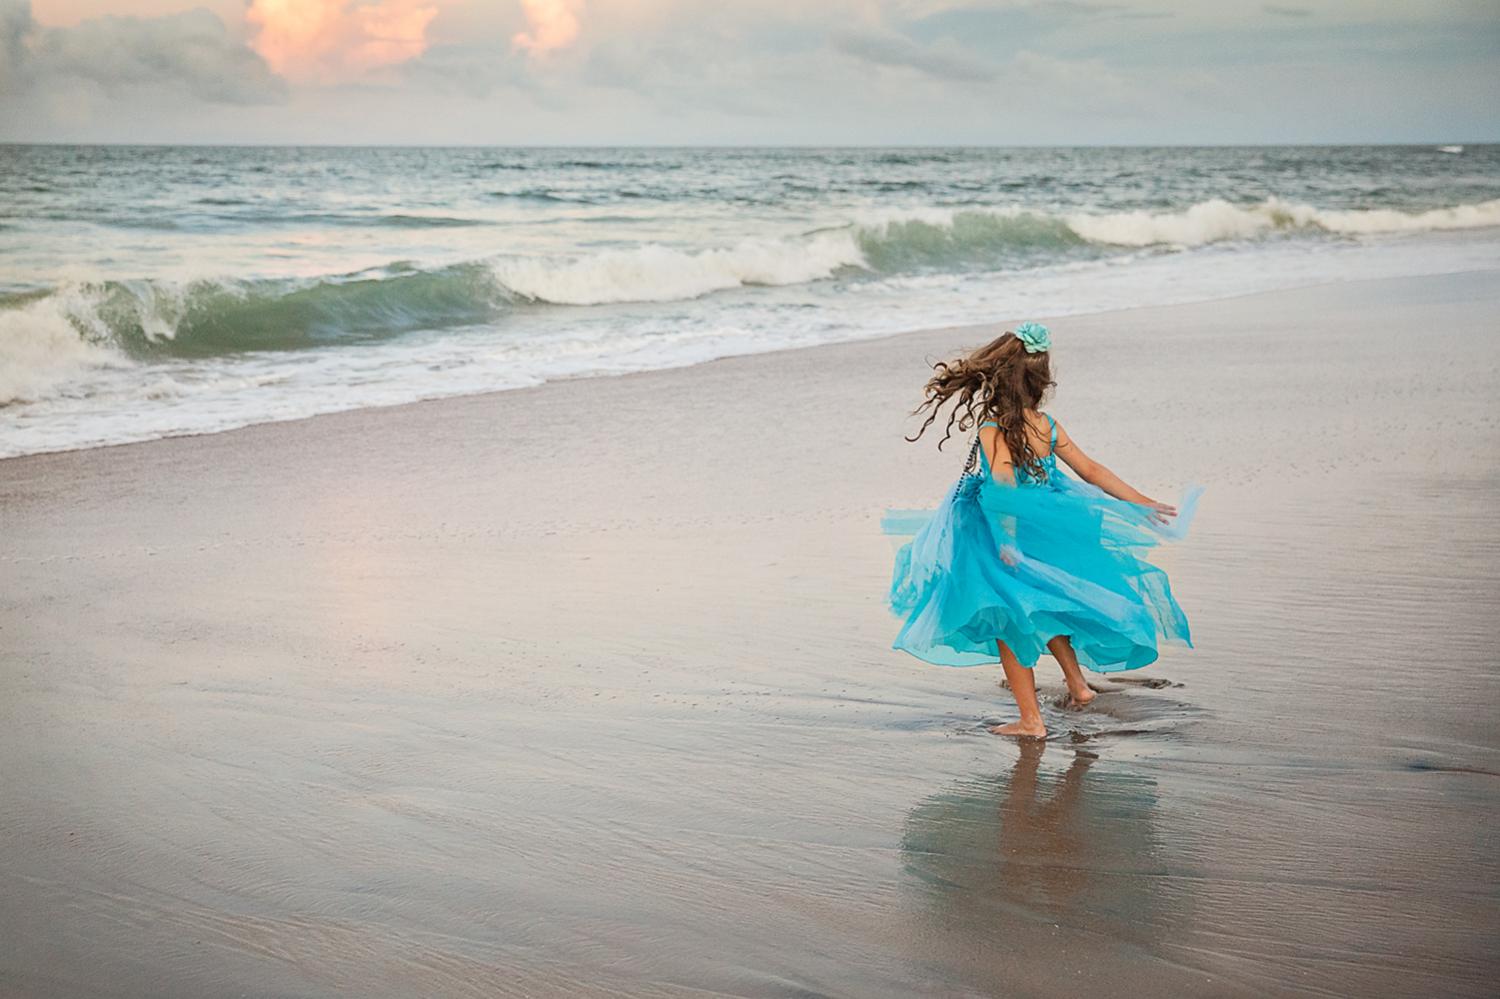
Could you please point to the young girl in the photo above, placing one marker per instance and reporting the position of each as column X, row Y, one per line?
column 1023, row 557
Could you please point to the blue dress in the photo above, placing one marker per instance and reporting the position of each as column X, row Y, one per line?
column 1075, row 564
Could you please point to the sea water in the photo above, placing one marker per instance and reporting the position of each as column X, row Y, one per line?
column 152, row 291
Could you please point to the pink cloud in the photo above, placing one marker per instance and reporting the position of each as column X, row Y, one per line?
column 554, row 25
column 334, row 39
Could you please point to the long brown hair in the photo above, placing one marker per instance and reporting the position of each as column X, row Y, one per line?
column 998, row 382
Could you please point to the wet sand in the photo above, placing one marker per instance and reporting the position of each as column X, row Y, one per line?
column 586, row 689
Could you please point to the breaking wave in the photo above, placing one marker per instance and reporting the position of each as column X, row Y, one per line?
column 42, row 348
column 656, row 273
column 1218, row 220
column 936, row 241
column 86, row 323
column 47, row 337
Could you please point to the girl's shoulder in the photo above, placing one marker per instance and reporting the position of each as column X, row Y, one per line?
column 1036, row 419
column 1040, row 422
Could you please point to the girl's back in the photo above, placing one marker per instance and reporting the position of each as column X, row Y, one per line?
column 1041, row 436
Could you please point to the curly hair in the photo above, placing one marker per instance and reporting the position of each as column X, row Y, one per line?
column 998, row 382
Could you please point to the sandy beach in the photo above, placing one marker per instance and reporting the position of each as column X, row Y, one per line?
column 585, row 689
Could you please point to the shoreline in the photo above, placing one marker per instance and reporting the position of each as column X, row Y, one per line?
column 1436, row 143
column 586, row 688
column 966, row 328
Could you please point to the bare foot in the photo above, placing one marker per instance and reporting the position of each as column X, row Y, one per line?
column 1080, row 698
column 1020, row 730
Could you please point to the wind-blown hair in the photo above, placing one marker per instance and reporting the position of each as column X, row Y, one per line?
column 998, row 382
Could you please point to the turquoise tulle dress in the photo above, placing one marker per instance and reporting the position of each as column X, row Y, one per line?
column 1079, row 570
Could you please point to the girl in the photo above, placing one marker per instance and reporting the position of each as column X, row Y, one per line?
column 1024, row 557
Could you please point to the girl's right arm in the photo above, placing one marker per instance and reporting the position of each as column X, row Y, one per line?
column 1096, row 474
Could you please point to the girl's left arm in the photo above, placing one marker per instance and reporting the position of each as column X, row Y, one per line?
column 1096, row 474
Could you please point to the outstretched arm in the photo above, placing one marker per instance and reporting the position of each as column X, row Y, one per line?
column 1096, row 474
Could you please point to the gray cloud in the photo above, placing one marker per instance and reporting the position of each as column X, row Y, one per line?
column 1072, row 9
column 1067, row 10
column 1281, row 11
column 191, row 52
column 889, row 49
column 15, row 26
column 472, row 70
column 1075, row 7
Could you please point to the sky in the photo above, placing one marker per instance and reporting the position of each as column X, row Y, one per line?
column 749, row 72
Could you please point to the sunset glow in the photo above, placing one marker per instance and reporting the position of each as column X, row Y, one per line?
column 554, row 25
column 328, row 38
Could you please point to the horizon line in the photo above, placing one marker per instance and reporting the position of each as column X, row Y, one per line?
column 740, row 146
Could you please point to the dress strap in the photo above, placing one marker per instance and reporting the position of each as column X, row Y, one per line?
column 1054, row 431
column 990, row 423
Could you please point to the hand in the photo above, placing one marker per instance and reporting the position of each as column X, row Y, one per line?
column 1160, row 513
column 1010, row 554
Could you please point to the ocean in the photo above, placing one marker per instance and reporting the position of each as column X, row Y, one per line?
column 153, row 291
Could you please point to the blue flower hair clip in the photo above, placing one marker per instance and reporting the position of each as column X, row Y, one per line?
column 1034, row 336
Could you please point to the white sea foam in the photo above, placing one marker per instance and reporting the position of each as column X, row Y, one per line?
column 1218, row 220
column 44, row 347
column 656, row 273
column 1475, row 216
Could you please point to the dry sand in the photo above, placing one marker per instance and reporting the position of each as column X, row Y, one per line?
column 586, row 689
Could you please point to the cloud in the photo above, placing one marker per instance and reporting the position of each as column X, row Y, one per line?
column 670, row 73
column 1081, row 87
column 554, row 25
column 775, row 71
column 1073, row 7
column 192, row 52
column 15, row 27
column 890, row 49
column 1280, row 11
column 332, row 39
column 475, row 70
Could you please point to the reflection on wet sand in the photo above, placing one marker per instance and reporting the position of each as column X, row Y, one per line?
column 998, row 858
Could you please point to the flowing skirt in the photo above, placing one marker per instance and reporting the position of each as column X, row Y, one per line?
column 1073, row 563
